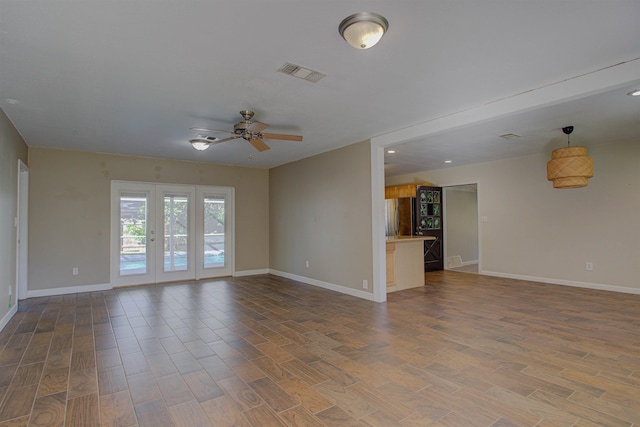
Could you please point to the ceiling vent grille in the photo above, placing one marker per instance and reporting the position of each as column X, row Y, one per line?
column 300, row 72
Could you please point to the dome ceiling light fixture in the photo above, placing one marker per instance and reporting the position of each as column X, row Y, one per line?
column 202, row 142
column 569, row 167
column 363, row 30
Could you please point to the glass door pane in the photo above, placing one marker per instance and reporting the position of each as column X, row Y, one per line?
column 176, row 232
column 176, row 218
column 133, row 259
column 215, row 232
column 133, row 234
column 213, row 254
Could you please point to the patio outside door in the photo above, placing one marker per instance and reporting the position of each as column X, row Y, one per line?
column 162, row 233
column 214, row 243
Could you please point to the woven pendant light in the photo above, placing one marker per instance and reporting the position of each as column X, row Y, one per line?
column 569, row 167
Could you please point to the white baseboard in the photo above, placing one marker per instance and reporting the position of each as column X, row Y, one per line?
column 68, row 290
column 587, row 285
column 325, row 285
column 8, row 316
column 251, row 272
column 457, row 262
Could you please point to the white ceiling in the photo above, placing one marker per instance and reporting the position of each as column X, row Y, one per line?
column 131, row 77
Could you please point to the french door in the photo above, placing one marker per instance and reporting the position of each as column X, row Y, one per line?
column 163, row 233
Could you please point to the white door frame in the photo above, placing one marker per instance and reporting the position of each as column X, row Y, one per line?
column 22, row 231
column 155, row 260
column 117, row 188
column 229, row 231
column 445, row 232
column 189, row 191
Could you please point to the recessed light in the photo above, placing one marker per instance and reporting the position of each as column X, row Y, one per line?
column 635, row 92
column 509, row 136
column 391, row 151
column 448, row 161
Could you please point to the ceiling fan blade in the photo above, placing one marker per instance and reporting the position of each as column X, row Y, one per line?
column 210, row 130
column 257, row 126
column 225, row 139
column 259, row 144
column 282, row 136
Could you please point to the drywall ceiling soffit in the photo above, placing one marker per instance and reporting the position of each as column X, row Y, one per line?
column 604, row 118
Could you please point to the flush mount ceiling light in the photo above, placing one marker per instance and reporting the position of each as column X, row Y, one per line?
column 635, row 92
column 569, row 167
column 363, row 30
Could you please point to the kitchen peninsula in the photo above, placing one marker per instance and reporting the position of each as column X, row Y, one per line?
column 405, row 262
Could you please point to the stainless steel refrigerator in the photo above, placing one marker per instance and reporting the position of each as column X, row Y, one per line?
column 399, row 215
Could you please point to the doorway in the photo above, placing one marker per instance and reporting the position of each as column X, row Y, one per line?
column 163, row 233
column 22, row 232
column 461, row 241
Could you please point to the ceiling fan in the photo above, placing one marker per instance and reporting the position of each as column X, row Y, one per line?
column 245, row 129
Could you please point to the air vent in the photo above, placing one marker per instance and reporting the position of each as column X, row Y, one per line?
column 509, row 136
column 300, row 72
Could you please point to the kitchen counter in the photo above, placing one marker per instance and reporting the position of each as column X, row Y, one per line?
column 398, row 239
column 405, row 262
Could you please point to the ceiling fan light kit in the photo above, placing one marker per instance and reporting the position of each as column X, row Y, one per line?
column 363, row 30
column 199, row 144
column 569, row 167
column 202, row 142
column 245, row 129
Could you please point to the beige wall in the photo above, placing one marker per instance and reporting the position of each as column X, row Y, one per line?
column 536, row 231
column 69, row 210
column 12, row 148
column 320, row 211
column 461, row 223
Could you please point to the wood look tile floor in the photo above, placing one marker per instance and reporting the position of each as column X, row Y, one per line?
column 465, row 350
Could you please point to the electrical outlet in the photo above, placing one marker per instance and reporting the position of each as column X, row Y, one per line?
column 589, row 266
column 75, row 271
column 306, row 264
column 365, row 284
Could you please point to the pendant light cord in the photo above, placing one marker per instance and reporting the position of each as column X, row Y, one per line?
column 567, row 131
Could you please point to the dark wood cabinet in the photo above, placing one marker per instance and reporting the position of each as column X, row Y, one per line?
column 429, row 220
